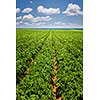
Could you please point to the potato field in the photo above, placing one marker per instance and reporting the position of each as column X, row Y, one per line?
column 49, row 64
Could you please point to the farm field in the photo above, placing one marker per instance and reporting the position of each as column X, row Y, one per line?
column 49, row 64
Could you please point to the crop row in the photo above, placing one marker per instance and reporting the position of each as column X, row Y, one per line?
column 37, row 84
column 28, row 45
column 69, row 53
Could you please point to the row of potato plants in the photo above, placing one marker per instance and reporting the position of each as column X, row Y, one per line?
column 37, row 84
column 28, row 43
column 68, row 46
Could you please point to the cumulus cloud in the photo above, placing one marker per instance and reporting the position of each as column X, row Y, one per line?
column 27, row 17
column 30, row 21
column 48, row 11
column 18, row 10
column 73, row 10
column 33, row 19
column 27, row 10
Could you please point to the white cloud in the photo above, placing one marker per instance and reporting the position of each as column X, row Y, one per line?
column 39, row 19
column 48, row 25
column 33, row 19
column 60, row 23
column 27, row 17
column 18, row 10
column 66, row 25
column 40, row 23
column 73, row 10
column 19, row 18
column 48, row 11
column 27, row 10
column 27, row 24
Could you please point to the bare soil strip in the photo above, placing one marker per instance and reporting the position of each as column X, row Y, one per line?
column 55, row 89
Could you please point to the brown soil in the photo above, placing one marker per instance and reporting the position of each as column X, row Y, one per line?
column 21, row 76
column 54, row 78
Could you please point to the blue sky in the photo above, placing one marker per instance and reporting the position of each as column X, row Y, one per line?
column 49, row 13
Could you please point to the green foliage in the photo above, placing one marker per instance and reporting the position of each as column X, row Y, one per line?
column 34, row 51
column 70, row 62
